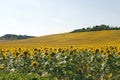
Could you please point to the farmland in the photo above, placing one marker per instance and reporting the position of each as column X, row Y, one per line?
column 66, row 56
column 81, row 39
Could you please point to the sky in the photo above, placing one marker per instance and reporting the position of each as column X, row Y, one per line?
column 44, row 17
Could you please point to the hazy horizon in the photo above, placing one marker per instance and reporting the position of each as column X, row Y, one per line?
column 44, row 17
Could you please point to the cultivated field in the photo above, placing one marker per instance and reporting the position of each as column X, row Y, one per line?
column 82, row 39
column 67, row 56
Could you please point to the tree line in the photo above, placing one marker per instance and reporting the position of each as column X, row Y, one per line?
column 14, row 37
column 97, row 28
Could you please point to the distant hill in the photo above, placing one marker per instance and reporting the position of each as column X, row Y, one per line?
column 79, row 39
column 14, row 37
column 96, row 28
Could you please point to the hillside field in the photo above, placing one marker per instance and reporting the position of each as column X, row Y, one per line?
column 66, row 56
column 81, row 39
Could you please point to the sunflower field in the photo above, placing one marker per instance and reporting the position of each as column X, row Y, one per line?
column 60, row 63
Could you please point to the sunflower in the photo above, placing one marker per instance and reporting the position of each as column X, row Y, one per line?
column 21, row 55
column 36, row 57
column 4, row 56
column 34, row 64
column 1, row 67
column 110, row 75
column 35, row 53
column 16, row 54
column 45, row 53
column 80, row 70
column 25, row 53
column 52, row 54
column 118, row 54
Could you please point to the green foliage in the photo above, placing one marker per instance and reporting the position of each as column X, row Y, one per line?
column 70, row 65
column 14, row 37
column 96, row 28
